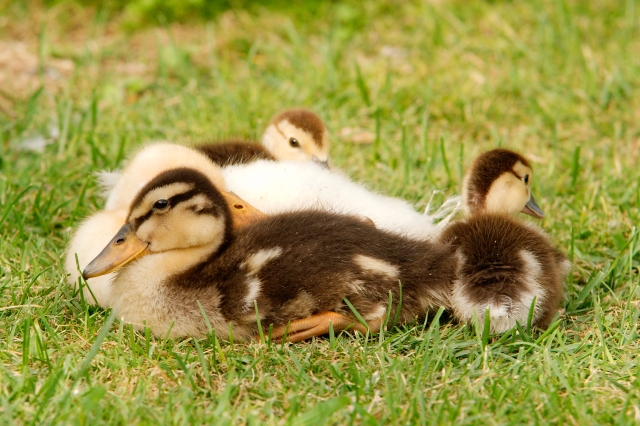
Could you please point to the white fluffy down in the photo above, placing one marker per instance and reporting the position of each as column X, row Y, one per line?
column 275, row 187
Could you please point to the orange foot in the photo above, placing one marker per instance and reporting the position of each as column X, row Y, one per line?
column 318, row 325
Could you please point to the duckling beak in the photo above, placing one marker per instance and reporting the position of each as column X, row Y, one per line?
column 532, row 209
column 122, row 249
column 324, row 164
column 242, row 213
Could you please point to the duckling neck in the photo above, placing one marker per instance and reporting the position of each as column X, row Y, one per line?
column 141, row 297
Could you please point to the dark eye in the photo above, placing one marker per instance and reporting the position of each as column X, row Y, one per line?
column 294, row 142
column 526, row 179
column 161, row 204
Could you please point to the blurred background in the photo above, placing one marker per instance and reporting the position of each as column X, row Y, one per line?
column 410, row 91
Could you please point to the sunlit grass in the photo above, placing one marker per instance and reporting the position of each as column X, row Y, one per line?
column 434, row 84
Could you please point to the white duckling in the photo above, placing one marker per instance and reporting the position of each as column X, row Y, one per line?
column 276, row 187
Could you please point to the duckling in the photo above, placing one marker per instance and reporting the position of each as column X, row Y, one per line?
column 96, row 231
column 507, row 266
column 177, row 257
column 292, row 135
column 297, row 268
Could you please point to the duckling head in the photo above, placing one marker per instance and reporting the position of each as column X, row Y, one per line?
column 297, row 135
column 499, row 181
column 179, row 212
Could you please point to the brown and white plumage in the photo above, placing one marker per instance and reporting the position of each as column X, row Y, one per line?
column 299, row 267
column 505, row 264
column 291, row 265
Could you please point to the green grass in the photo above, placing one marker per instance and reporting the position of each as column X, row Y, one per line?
column 437, row 83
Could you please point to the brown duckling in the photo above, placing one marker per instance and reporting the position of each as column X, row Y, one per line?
column 177, row 249
column 505, row 264
column 292, row 135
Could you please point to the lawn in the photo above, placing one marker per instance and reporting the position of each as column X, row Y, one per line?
column 411, row 92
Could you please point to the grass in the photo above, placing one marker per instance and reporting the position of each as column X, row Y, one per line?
column 435, row 83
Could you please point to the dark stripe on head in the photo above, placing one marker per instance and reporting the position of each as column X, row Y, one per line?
column 305, row 120
column 200, row 184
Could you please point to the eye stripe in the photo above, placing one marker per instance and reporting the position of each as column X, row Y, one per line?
column 179, row 198
column 174, row 201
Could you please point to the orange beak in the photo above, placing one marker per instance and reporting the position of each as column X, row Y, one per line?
column 242, row 213
column 122, row 249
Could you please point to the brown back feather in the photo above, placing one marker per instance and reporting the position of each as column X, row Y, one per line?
column 234, row 152
column 491, row 245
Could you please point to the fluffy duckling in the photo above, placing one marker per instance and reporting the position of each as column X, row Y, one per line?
column 97, row 230
column 276, row 187
column 177, row 250
column 176, row 253
column 292, row 135
column 505, row 264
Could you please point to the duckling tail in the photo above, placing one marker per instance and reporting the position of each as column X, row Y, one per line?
column 506, row 268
